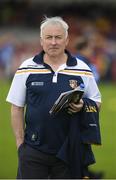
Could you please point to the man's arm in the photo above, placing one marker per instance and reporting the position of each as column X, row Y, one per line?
column 98, row 105
column 17, row 121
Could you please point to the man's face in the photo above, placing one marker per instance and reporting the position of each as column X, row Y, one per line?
column 54, row 40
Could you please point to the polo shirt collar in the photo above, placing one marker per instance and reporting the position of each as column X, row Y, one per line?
column 71, row 61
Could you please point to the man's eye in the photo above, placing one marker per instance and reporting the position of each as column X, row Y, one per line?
column 48, row 37
column 58, row 37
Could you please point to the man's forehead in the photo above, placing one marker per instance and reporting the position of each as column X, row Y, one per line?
column 53, row 28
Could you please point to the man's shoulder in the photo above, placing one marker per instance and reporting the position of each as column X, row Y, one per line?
column 29, row 66
column 28, row 63
column 82, row 65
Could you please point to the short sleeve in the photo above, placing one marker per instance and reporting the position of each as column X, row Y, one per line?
column 92, row 91
column 17, row 92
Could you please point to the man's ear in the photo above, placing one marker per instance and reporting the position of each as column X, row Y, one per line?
column 41, row 43
column 67, row 41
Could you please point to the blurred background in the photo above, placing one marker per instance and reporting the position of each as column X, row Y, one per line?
column 93, row 20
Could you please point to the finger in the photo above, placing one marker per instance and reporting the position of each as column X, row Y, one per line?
column 75, row 106
column 73, row 110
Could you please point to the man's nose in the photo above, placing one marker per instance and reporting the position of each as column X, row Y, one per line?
column 53, row 40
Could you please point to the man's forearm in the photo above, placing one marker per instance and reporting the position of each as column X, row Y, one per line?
column 17, row 121
column 98, row 105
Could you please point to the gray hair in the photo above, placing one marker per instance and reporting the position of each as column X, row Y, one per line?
column 54, row 20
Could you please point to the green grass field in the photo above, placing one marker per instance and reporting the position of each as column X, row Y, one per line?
column 105, row 154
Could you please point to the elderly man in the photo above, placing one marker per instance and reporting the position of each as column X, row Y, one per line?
column 50, row 146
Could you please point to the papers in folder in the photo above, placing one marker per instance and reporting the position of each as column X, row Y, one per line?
column 65, row 98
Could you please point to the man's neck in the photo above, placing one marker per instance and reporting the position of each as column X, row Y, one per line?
column 55, row 62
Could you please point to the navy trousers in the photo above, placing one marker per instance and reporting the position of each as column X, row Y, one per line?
column 34, row 164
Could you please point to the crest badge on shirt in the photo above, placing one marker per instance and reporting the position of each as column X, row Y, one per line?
column 73, row 83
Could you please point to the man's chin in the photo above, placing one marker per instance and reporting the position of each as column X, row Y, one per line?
column 53, row 53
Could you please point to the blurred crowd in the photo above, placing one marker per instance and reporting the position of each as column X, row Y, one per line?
column 22, row 42
column 14, row 50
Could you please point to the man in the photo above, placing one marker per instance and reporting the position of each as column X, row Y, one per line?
column 49, row 145
column 85, row 52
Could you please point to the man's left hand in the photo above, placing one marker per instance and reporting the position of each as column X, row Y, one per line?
column 74, row 108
